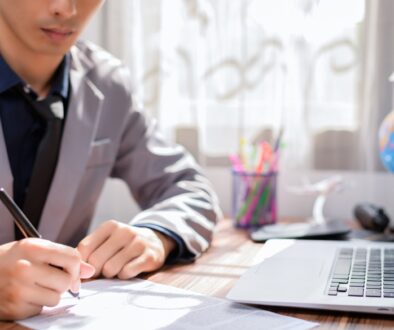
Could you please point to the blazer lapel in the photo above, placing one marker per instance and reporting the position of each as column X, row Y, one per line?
column 6, row 221
column 81, row 122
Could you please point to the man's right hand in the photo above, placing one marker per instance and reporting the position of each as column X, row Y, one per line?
column 29, row 280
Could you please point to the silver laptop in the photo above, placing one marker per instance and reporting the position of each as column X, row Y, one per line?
column 334, row 275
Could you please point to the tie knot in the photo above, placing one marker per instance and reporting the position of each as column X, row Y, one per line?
column 50, row 108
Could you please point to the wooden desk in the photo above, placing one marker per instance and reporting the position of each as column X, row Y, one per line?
column 231, row 254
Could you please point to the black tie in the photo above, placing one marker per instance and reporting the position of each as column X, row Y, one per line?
column 51, row 110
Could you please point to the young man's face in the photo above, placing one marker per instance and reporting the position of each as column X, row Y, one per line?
column 49, row 27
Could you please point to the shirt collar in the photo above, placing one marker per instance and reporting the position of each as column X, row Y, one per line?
column 8, row 78
column 60, row 81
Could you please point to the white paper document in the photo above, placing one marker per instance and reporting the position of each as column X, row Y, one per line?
column 139, row 304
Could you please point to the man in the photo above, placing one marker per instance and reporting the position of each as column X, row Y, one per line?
column 101, row 134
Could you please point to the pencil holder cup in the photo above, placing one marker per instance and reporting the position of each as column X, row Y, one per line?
column 254, row 198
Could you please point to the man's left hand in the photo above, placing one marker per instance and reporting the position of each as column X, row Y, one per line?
column 120, row 250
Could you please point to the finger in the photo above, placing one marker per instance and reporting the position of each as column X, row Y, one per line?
column 67, row 264
column 91, row 242
column 118, row 240
column 87, row 270
column 143, row 263
column 32, row 310
column 40, row 296
column 43, row 274
column 114, row 265
column 51, row 278
column 47, row 276
column 58, row 255
column 21, row 312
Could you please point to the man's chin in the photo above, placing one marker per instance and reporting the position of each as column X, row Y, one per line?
column 52, row 50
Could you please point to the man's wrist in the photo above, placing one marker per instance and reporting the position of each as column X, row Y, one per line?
column 179, row 251
column 168, row 243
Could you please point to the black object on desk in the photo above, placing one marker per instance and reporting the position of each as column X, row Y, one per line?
column 371, row 217
column 306, row 230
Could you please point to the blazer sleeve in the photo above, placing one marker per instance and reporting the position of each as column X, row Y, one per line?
column 167, row 184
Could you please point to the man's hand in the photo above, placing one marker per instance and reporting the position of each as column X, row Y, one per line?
column 29, row 280
column 120, row 250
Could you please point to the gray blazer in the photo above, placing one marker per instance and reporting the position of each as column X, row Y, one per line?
column 105, row 136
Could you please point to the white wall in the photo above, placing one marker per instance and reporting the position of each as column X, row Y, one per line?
column 93, row 31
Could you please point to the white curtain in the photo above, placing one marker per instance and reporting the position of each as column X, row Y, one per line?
column 377, row 91
column 218, row 71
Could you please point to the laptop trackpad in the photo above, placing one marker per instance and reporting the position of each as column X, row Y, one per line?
column 290, row 278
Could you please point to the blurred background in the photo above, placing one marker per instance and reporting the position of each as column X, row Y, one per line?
column 217, row 72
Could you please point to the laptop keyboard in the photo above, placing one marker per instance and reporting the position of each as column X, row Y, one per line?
column 363, row 272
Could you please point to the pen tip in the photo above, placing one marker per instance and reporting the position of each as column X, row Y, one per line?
column 74, row 294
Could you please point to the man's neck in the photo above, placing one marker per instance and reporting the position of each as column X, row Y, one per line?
column 34, row 68
column 37, row 71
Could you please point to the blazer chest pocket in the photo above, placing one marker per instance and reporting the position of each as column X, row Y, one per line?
column 100, row 153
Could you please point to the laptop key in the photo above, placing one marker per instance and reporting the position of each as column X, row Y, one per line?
column 357, row 280
column 359, row 285
column 356, row 292
column 375, row 279
column 340, row 277
column 388, row 294
column 373, row 293
column 358, row 273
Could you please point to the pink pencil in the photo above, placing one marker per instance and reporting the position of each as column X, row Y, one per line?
column 263, row 183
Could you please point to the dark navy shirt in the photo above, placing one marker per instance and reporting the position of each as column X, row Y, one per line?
column 23, row 129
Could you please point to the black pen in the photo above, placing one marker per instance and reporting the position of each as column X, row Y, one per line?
column 23, row 222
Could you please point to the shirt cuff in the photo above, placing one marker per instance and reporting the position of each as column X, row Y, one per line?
column 180, row 253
